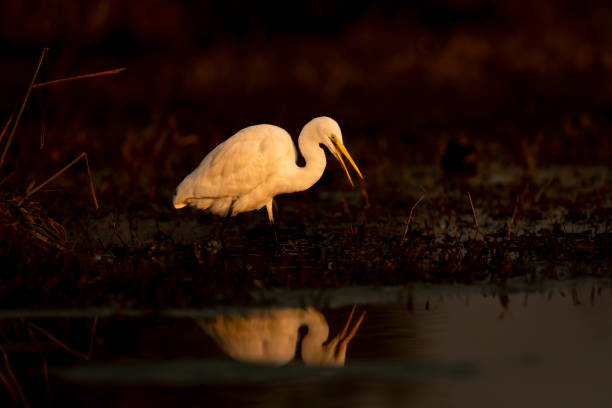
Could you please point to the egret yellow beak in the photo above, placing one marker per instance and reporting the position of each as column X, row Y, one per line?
column 341, row 149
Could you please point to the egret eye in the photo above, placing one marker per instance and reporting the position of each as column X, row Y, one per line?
column 334, row 140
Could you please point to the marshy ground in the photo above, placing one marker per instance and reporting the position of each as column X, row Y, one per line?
column 553, row 223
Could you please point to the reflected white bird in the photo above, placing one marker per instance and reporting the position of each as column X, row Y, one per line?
column 270, row 336
column 245, row 172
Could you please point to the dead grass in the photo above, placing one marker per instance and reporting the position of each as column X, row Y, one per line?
column 21, row 217
column 31, row 190
column 18, row 212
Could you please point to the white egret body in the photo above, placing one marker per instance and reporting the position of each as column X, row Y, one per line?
column 270, row 336
column 245, row 172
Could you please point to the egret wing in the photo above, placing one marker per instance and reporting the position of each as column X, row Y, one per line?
column 243, row 162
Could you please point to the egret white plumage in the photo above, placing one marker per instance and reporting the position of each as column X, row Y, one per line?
column 245, row 172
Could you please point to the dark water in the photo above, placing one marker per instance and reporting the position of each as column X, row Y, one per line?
column 423, row 345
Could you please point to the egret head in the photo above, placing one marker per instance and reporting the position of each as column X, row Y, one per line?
column 332, row 353
column 331, row 136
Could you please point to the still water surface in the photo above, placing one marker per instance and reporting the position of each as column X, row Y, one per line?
column 436, row 346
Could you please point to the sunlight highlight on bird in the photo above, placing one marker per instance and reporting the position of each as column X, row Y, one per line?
column 245, row 172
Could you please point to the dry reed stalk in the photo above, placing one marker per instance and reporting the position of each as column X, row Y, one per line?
column 46, row 373
column 77, row 77
column 511, row 222
column 4, row 180
column 59, row 342
column 364, row 194
column 93, row 335
column 8, row 386
column 21, row 109
column 544, row 187
column 11, row 374
column 296, row 249
column 43, row 130
column 4, row 129
column 410, row 218
column 30, row 191
column 473, row 212
column 197, row 252
column 345, row 207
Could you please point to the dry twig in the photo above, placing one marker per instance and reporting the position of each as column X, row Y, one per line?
column 4, row 129
column 410, row 218
column 8, row 386
column 23, row 104
column 511, row 222
column 473, row 212
column 77, row 77
column 544, row 187
column 30, row 191
column 46, row 372
column 93, row 335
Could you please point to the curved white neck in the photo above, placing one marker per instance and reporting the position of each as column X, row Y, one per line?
column 304, row 177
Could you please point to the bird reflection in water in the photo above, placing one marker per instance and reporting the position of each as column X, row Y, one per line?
column 270, row 336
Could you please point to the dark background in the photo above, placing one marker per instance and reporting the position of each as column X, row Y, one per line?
column 526, row 83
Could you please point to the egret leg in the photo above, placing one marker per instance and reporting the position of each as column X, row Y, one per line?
column 274, row 205
column 269, row 206
column 225, row 222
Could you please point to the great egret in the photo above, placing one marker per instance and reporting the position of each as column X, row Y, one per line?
column 245, row 172
column 270, row 336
